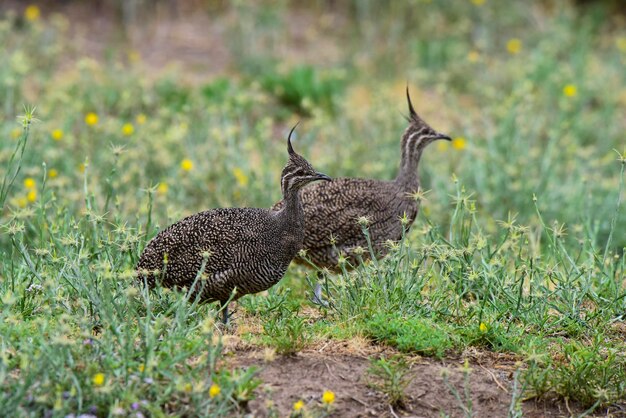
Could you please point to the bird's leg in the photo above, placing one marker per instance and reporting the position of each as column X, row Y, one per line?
column 225, row 313
column 317, row 292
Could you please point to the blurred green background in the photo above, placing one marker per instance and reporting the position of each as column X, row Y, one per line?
column 533, row 91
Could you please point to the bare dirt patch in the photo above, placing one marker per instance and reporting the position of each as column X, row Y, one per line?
column 336, row 367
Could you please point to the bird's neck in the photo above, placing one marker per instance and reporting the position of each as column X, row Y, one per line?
column 408, row 176
column 293, row 207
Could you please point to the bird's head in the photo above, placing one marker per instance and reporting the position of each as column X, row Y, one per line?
column 419, row 133
column 298, row 172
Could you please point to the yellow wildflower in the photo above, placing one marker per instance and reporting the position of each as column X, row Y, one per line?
column 473, row 56
column 570, row 90
column 81, row 167
column 187, row 387
column 57, row 134
column 478, row 2
column 16, row 132
column 91, row 119
column 53, row 173
column 133, row 55
column 459, row 143
column 621, row 43
column 128, row 129
column 141, row 368
column 32, row 195
column 162, row 188
column 32, row 13
column 140, row 119
column 328, row 397
column 482, row 327
column 22, row 202
column 241, row 177
column 186, row 164
column 98, row 379
column 298, row 405
column 214, row 390
column 29, row 183
column 514, row 46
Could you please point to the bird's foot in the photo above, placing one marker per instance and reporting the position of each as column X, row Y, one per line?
column 317, row 298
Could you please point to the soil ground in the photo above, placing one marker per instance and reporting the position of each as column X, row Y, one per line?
column 339, row 367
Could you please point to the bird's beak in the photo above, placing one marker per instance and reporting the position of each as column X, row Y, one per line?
column 442, row 136
column 322, row 176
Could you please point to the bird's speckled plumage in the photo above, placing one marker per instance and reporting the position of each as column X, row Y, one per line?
column 331, row 209
column 246, row 248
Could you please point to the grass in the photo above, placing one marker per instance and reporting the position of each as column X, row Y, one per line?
column 518, row 248
column 390, row 377
column 286, row 331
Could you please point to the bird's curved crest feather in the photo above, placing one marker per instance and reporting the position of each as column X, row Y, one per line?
column 408, row 99
column 289, row 147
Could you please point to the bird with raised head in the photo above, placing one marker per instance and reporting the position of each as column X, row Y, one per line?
column 222, row 254
column 332, row 210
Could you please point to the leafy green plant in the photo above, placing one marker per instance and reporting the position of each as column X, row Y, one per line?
column 217, row 90
column 592, row 374
column 287, row 332
column 172, row 94
column 391, row 377
column 416, row 335
column 304, row 87
column 242, row 383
